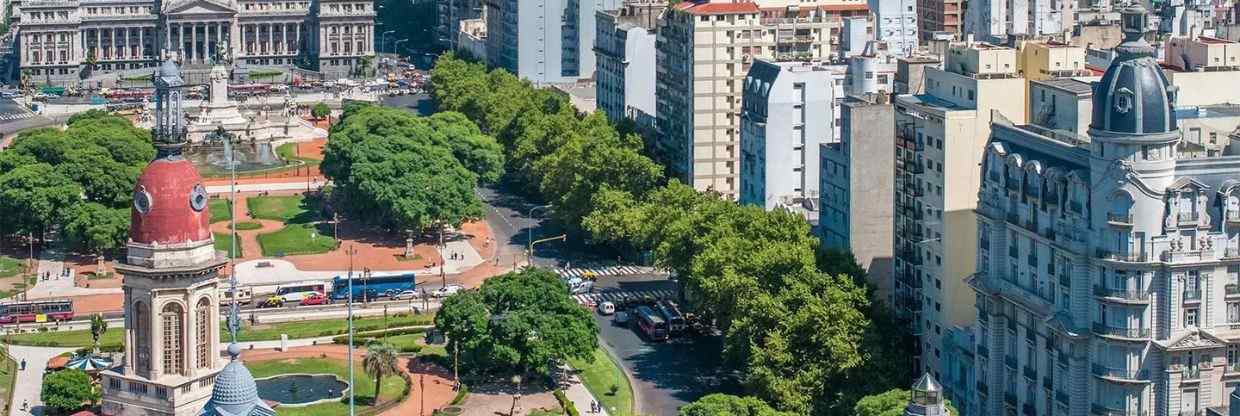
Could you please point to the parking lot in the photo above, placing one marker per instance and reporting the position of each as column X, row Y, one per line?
column 666, row 375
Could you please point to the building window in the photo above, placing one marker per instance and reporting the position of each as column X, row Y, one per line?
column 1190, row 317
column 203, row 324
column 173, row 320
column 142, row 336
column 1233, row 312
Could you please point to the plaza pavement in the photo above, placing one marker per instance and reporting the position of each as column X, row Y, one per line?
column 29, row 382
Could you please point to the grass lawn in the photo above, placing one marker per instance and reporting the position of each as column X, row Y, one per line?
column 9, row 266
column 224, row 243
column 599, row 376
column 288, row 151
column 220, row 209
column 295, row 330
column 393, row 386
column 295, row 239
column 248, row 225
column 8, row 375
column 290, row 209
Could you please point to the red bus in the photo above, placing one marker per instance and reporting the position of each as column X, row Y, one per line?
column 49, row 310
column 651, row 324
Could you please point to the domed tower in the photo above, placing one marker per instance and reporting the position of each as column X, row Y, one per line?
column 170, row 280
column 926, row 398
column 1133, row 138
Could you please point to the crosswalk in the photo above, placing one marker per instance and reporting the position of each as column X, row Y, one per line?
column 16, row 116
column 604, row 271
column 615, row 294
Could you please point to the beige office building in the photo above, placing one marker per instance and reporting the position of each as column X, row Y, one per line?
column 705, row 50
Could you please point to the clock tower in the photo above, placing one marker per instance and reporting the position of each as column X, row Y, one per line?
column 171, row 280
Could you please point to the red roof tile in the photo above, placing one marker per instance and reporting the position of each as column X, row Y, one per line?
column 717, row 8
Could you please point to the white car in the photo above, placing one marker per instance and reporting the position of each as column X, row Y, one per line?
column 606, row 308
column 406, row 294
column 446, row 291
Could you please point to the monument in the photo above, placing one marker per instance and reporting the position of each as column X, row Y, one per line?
column 219, row 111
column 171, row 269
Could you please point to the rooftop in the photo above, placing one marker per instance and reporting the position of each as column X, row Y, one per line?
column 716, row 8
column 1071, row 85
column 1208, row 111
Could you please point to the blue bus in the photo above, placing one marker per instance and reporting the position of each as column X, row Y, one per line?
column 372, row 287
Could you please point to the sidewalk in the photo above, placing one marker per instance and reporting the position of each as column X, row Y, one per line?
column 29, row 382
column 582, row 398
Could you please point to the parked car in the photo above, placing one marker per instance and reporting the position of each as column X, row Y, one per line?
column 446, row 291
column 620, row 319
column 316, row 299
column 606, row 308
column 273, row 301
column 406, row 294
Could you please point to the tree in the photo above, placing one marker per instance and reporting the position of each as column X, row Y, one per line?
column 34, row 196
column 66, row 391
column 519, row 322
column 727, row 405
column 320, row 111
column 98, row 326
column 380, row 361
column 888, row 403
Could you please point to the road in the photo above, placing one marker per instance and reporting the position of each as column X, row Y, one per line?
column 665, row 375
column 507, row 214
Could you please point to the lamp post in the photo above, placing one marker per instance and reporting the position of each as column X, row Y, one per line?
column 529, row 252
column 351, row 251
column 529, row 232
column 396, row 46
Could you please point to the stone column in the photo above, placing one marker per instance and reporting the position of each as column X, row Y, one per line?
column 271, row 38
column 128, row 47
column 181, row 40
column 193, row 42
column 141, row 42
column 322, row 40
column 167, row 36
column 98, row 44
column 284, row 38
column 219, row 37
column 297, row 36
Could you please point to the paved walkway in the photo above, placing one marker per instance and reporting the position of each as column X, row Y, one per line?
column 59, row 282
column 29, row 382
column 269, row 187
column 581, row 397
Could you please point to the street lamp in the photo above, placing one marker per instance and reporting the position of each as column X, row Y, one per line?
column 529, row 232
column 383, row 39
column 351, row 251
column 396, row 46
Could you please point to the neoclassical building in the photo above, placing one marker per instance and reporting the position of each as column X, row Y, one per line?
column 57, row 38
column 1108, row 266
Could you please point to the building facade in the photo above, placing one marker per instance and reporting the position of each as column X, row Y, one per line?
column 895, row 22
column 993, row 20
column 939, row 16
column 62, row 42
column 624, row 48
column 705, row 49
column 786, row 115
column 544, row 41
column 856, row 188
column 448, row 17
column 1108, row 266
column 940, row 137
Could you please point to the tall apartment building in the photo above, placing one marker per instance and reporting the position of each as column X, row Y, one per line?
column 939, row 16
column 1108, row 267
column 994, row 20
column 705, row 49
column 940, row 135
column 786, row 115
column 544, row 41
column 448, row 17
column 895, row 22
column 857, row 180
column 625, row 71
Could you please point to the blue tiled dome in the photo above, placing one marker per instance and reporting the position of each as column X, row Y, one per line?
column 235, row 393
column 1134, row 96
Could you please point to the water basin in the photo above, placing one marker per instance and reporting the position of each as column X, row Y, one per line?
column 301, row 389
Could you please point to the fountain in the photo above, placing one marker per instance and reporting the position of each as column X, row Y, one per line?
column 293, row 390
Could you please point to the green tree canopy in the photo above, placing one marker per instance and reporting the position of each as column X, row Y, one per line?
column 68, row 390
column 519, row 322
column 320, row 110
column 727, row 405
column 35, row 196
column 95, row 227
column 888, row 403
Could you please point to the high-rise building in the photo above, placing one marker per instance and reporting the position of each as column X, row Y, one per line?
column 172, row 313
column 994, row 20
column 448, row 17
column 705, row 49
column 786, row 115
column 857, row 177
column 939, row 16
column 1108, row 281
column 625, row 71
column 940, row 135
column 544, row 41
column 895, row 22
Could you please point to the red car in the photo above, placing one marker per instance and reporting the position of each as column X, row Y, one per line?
column 315, row 299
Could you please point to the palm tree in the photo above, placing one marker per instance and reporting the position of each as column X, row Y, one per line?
column 380, row 361
column 98, row 327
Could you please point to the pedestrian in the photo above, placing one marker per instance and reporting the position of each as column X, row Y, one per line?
column 25, row 404
column 23, row 364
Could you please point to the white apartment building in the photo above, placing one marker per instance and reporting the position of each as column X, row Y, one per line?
column 786, row 116
column 624, row 49
column 1108, row 275
column 993, row 20
column 940, row 136
column 705, row 49
column 895, row 22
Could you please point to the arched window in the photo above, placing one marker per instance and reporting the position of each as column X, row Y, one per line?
column 173, row 318
column 203, row 324
column 142, row 336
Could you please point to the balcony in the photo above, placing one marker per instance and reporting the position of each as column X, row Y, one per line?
column 1065, row 280
column 1009, row 361
column 1233, row 216
column 1048, row 383
column 1061, row 397
column 1010, row 398
column 1121, row 374
column 1013, row 216
column 1119, row 220
column 982, row 387
column 1100, row 410
column 1187, row 217
column 1028, row 410
column 916, row 168
column 1124, row 257
column 1062, row 358
column 1231, row 289
column 1232, row 367
column 1192, row 296
column 1190, row 372
column 1030, row 373
column 983, row 351
column 1129, row 333
column 1131, row 295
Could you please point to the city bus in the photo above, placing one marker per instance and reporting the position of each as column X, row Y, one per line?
column 370, row 287
column 294, row 293
column 650, row 323
column 671, row 313
column 36, row 311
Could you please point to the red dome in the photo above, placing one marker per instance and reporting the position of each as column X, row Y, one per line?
column 170, row 204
